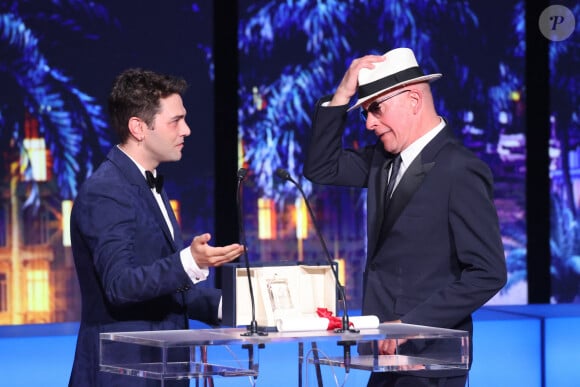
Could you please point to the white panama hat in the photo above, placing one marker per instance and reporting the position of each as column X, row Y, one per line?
column 400, row 68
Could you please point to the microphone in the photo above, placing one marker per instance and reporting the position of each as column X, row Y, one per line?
column 253, row 327
column 285, row 175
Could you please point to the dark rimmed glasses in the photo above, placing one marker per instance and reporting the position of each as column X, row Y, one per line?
column 375, row 108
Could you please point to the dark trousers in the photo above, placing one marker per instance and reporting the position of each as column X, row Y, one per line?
column 392, row 379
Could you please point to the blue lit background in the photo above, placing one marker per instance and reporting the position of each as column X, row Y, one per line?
column 58, row 59
column 293, row 53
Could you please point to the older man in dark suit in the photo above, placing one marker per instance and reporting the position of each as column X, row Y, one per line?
column 133, row 269
column 435, row 253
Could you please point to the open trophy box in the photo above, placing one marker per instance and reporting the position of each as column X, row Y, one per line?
column 287, row 290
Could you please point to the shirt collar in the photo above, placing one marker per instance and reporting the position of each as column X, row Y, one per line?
column 142, row 169
column 409, row 154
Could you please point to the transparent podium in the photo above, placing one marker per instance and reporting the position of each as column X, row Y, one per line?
column 186, row 354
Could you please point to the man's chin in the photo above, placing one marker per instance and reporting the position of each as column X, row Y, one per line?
column 173, row 158
column 387, row 145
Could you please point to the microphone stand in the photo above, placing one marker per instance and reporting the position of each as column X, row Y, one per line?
column 285, row 175
column 253, row 327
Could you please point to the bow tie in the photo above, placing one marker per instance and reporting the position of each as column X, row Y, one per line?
column 154, row 182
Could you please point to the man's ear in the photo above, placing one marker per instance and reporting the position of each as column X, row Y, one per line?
column 135, row 125
column 416, row 100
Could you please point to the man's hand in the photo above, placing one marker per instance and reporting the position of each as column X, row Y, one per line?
column 210, row 256
column 348, row 86
column 389, row 346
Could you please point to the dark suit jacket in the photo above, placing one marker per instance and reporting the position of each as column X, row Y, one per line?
column 439, row 256
column 129, row 270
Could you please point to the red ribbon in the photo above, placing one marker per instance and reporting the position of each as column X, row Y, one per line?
column 334, row 322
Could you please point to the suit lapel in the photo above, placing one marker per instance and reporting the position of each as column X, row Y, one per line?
column 375, row 210
column 159, row 215
column 409, row 184
column 177, row 241
column 134, row 176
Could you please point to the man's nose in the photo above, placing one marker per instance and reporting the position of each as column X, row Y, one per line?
column 369, row 121
column 186, row 130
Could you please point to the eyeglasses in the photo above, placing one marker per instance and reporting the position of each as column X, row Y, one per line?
column 375, row 108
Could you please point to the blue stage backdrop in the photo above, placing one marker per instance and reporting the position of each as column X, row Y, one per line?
column 58, row 60
column 564, row 151
column 292, row 53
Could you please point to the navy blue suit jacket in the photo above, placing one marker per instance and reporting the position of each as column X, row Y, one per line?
column 128, row 265
column 439, row 256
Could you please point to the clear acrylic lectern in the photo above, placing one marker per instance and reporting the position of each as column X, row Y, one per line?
column 182, row 354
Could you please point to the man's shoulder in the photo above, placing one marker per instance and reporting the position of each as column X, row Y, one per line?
column 107, row 177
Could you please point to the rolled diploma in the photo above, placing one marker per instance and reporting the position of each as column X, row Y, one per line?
column 296, row 324
column 364, row 322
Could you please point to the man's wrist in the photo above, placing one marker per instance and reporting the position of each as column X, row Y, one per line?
column 194, row 272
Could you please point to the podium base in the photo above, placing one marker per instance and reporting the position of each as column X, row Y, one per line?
column 177, row 370
column 390, row 363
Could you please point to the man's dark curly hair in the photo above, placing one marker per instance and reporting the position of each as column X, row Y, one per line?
column 137, row 93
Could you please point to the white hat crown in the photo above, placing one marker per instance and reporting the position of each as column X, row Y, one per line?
column 400, row 68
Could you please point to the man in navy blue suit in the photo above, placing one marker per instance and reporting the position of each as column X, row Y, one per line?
column 434, row 249
column 134, row 272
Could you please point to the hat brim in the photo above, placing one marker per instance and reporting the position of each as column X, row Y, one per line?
column 424, row 78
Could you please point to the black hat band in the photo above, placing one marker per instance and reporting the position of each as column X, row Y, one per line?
column 388, row 81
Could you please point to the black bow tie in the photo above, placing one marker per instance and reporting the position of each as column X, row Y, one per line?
column 154, row 182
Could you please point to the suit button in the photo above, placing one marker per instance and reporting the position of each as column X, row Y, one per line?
column 373, row 267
